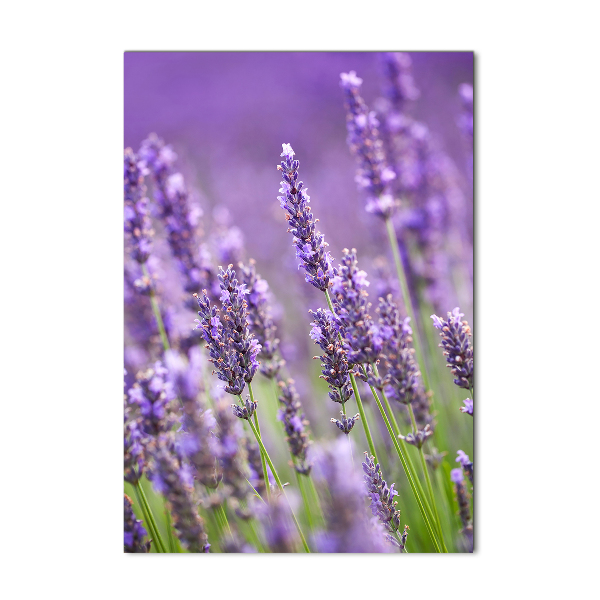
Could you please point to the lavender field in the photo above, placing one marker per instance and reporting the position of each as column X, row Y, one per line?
column 298, row 309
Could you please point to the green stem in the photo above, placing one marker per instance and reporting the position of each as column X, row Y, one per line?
column 279, row 484
column 316, row 501
column 408, row 303
column 409, row 475
column 172, row 548
column 147, row 522
column 428, row 481
column 156, row 311
column 311, row 525
column 262, row 456
column 221, row 510
column 144, row 501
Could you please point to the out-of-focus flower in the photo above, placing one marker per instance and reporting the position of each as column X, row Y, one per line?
column 260, row 320
column 134, row 531
column 178, row 214
column 466, row 464
column 346, row 519
column 295, row 425
column 373, row 175
column 399, row 85
column 138, row 226
column 418, row 438
column 468, row 407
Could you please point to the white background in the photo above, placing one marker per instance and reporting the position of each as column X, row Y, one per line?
column 536, row 327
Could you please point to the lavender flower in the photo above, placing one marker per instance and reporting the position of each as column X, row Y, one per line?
column 466, row 464
column 399, row 83
column 229, row 449
column 134, row 531
column 434, row 460
column 373, row 174
column 260, row 320
column 462, row 496
column 383, row 505
column 175, row 482
column 232, row 348
column 334, row 364
column 465, row 122
column 346, row 423
column 138, row 226
column 257, row 477
column 347, row 526
column 134, row 455
column 418, row 438
column 468, row 407
column 310, row 243
column 179, row 216
column 227, row 239
column 403, row 379
column 363, row 340
column 154, row 395
column 457, row 347
column 246, row 411
column 198, row 423
column 280, row 533
column 295, row 425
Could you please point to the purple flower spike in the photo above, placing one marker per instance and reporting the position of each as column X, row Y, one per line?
column 138, row 226
column 466, row 464
column 134, row 531
column 403, row 380
column 260, row 320
column 419, row 438
column 310, row 243
column 334, row 364
column 468, row 407
column 154, row 395
column 362, row 337
column 383, row 505
column 295, row 425
column 246, row 411
column 178, row 215
column 456, row 476
column 233, row 349
column 373, row 175
column 346, row 423
column 399, row 85
column 457, row 347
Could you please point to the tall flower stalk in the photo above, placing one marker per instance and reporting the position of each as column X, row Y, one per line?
column 310, row 246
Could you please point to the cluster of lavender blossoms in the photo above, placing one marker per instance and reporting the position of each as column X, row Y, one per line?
column 464, row 509
column 399, row 84
column 134, row 531
column 458, row 350
column 310, row 243
column 373, row 174
column 171, row 476
column 138, row 226
column 260, row 320
column 197, row 422
column 347, row 528
column 465, row 463
column 383, row 505
column 178, row 214
column 363, row 341
column 334, row 363
column 295, row 425
column 233, row 349
column 402, row 381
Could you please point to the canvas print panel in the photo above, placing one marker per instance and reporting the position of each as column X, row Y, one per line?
column 298, row 302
